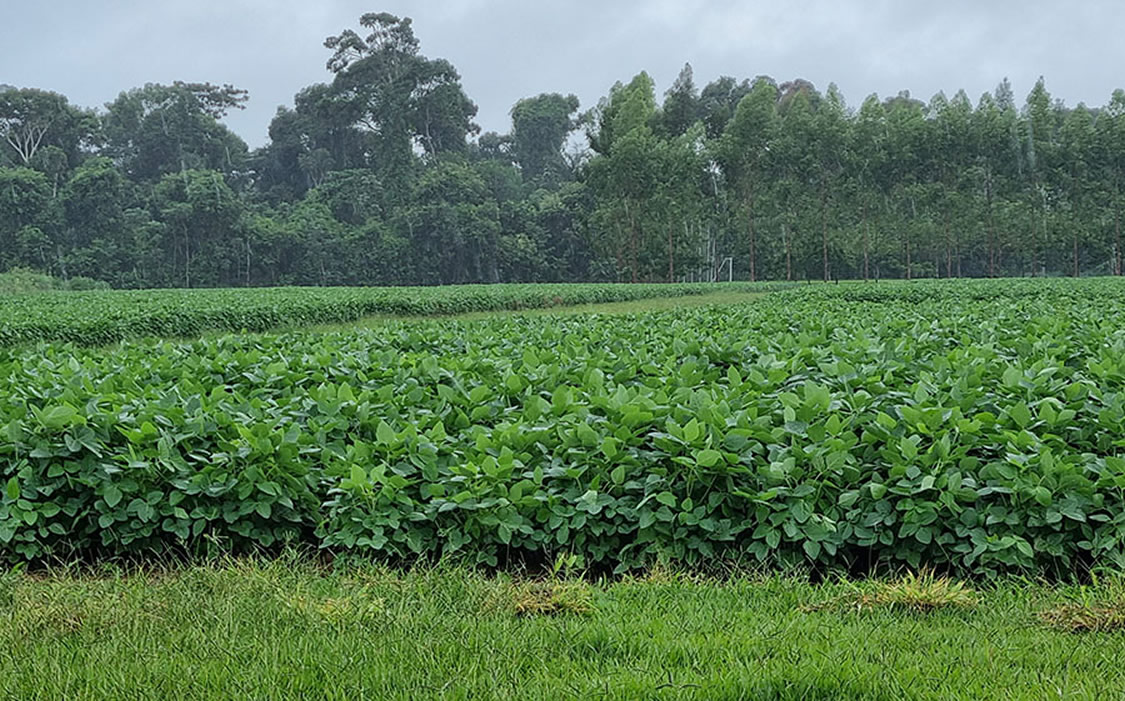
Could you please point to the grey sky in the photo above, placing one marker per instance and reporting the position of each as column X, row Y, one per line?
column 507, row 49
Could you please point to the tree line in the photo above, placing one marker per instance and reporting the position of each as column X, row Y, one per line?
column 381, row 177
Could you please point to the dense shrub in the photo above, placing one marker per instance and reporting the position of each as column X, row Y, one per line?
column 23, row 280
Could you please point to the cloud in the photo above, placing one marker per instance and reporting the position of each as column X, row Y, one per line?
column 508, row 49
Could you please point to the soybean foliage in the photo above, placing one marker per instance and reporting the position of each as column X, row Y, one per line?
column 102, row 317
column 978, row 428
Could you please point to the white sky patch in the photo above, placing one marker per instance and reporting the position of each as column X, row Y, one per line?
column 508, row 49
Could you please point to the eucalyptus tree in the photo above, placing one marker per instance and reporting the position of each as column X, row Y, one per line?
column 831, row 125
column 626, row 170
column 951, row 156
column 990, row 147
column 867, row 154
column 1079, row 192
column 906, row 124
column 744, row 153
column 679, row 198
column 681, row 108
column 1110, row 168
column 1040, row 123
column 807, row 150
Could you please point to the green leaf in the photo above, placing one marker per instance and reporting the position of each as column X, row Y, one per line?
column 513, row 383
column 59, row 416
column 609, row 447
column 358, row 475
column 1020, row 414
column 618, row 474
column 708, row 458
column 12, row 491
column 1012, row 377
column 112, row 495
column 773, row 538
column 384, row 434
column 812, row 549
column 692, row 431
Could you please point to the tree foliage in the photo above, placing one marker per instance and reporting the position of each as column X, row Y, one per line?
column 379, row 175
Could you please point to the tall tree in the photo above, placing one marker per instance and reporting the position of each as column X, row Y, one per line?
column 867, row 154
column 681, row 104
column 540, row 127
column 32, row 120
column 744, row 152
column 161, row 129
column 626, row 172
column 717, row 102
column 1111, row 167
column 202, row 217
column 28, row 220
column 396, row 94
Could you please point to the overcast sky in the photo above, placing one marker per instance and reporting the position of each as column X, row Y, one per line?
column 90, row 50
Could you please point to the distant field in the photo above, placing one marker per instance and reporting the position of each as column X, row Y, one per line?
column 101, row 317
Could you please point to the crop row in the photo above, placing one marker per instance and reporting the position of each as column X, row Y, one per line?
column 102, row 317
column 984, row 435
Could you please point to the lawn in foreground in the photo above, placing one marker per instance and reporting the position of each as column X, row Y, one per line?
column 284, row 629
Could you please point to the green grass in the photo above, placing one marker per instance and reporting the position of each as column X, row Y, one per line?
column 285, row 629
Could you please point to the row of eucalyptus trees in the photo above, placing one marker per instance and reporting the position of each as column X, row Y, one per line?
column 798, row 185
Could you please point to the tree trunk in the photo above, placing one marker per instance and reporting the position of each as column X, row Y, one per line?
column 753, row 252
column 909, row 275
column 1075, row 239
column 824, row 228
column 866, row 244
column 957, row 254
column 632, row 242
column 62, row 262
column 914, row 217
column 633, row 249
column 788, row 254
column 991, row 228
column 1117, row 240
column 619, row 249
column 948, row 245
column 187, row 260
column 671, row 257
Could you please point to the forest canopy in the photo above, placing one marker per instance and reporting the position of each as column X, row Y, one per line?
column 380, row 176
